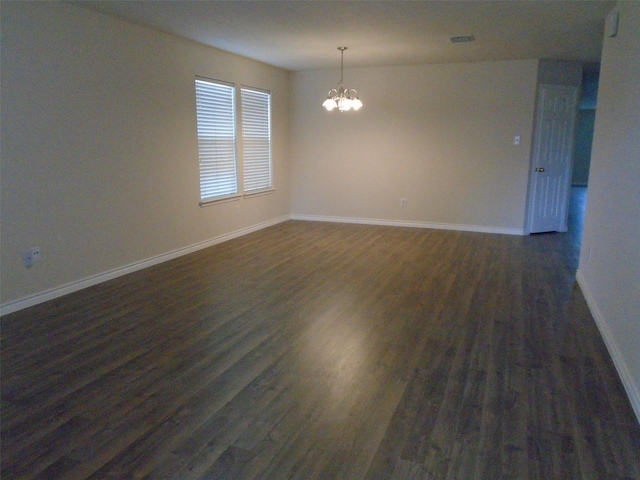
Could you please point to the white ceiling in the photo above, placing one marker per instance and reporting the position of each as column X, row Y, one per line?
column 304, row 34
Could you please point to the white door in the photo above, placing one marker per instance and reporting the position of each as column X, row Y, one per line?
column 552, row 157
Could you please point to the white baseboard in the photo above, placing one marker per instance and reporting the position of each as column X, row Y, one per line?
column 71, row 287
column 408, row 223
column 633, row 392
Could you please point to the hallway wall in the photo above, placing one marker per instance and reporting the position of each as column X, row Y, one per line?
column 609, row 272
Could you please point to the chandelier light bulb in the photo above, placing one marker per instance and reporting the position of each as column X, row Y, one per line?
column 329, row 104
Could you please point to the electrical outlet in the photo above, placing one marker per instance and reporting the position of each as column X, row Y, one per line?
column 31, row 256
column 516, row 140
column 403, row 202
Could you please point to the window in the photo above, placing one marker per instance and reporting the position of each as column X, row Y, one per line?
column 256, row 139
column 215, row 108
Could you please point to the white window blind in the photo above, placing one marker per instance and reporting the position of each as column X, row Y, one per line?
column 216, row 139
column 256, row 139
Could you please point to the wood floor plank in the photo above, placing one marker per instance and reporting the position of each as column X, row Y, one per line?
column 314, row 350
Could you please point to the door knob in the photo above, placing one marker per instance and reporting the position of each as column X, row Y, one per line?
column 540, row 169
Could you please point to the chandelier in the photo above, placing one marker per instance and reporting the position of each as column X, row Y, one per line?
column 344, row 99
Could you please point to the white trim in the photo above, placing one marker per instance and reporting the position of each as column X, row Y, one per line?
column 257, row 193
column 71, row 287
column 633, row 392
column 409, row 223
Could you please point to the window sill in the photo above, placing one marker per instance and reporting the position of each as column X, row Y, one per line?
column 215, row 201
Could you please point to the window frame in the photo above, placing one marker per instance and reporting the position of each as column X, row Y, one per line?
column 239, row 133
column 253, row 110
column 230, row 125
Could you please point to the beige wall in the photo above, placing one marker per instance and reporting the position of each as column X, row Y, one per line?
column 609, row 272
column 440, row 136
column 99, row 145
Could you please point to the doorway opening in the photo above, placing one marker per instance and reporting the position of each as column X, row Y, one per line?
column 577, row 205
column 582, row 148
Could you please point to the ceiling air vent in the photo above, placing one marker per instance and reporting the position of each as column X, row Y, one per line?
column 462, row 39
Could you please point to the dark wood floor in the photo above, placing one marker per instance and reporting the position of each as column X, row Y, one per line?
column 312, row 350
